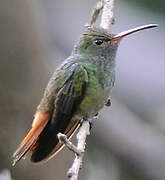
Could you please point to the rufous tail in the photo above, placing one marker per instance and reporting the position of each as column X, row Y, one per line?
column 29, row 142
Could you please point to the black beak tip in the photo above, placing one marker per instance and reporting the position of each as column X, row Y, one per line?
column 154, row 25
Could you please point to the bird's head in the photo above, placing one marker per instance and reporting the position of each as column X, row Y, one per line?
column 97, row 41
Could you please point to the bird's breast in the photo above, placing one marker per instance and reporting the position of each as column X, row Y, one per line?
column 97, row 93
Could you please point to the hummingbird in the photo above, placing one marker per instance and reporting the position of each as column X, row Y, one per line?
column 78, row 89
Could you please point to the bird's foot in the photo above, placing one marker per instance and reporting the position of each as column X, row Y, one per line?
column 90, row 125
column 108, row 103
column 96, row 116
column 89, row 120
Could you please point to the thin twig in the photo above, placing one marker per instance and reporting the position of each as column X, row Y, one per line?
column 69, row 144
column 81, row 139
column 107, row 16
column 79, row 150
column 96, row 12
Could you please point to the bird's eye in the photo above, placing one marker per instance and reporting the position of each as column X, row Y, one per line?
column 98, row 41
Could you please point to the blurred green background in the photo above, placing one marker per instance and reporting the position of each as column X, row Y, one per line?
column 127, row 142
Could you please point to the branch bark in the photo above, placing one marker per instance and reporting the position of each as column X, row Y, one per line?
column 72, row 147
column 96, row 12
column 81, row 139
column 107, row 18
column 73, row 172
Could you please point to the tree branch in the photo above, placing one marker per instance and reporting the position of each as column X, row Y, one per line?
column 79, row 150
column 96, row 12
column 69, row 144
column 81, row 139
column 106, row 20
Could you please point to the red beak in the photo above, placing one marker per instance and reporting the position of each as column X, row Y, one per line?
column 123, row 34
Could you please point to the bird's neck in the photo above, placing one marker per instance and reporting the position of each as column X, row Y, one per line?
column 103, row 59
column 103, row 66
column 103, row 62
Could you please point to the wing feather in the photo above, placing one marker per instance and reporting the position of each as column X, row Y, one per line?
column 42, row 139
column 66, row 104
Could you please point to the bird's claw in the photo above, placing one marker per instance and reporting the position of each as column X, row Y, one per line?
column 108, row 103
column 86, row 119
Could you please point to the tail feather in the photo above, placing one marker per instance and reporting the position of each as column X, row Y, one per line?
column 28, row 143
column 48, row 139
column 69, row 133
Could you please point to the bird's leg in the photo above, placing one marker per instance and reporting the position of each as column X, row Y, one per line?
column 108, row 103
column 89, row 120
column 90, row 125
column 96, row 116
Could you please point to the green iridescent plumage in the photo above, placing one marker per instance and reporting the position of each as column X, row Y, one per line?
column 79, row 88
column 98, row 63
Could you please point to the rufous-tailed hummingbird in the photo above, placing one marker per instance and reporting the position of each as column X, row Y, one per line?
column 78, row 89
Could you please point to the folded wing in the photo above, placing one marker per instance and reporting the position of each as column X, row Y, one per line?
column 42, row 139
